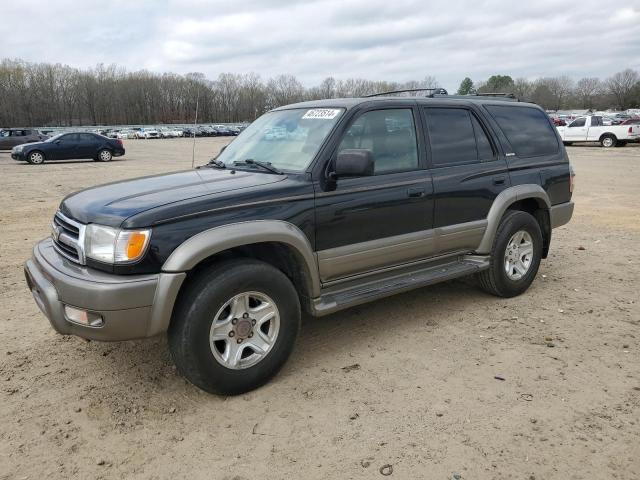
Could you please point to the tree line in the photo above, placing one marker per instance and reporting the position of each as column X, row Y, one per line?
column 620, row 91
column 45, row 94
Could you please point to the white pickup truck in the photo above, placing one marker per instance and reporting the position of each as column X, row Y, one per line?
column 591, row 129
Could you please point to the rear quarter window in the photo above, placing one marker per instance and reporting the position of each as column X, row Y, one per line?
column 527, row 129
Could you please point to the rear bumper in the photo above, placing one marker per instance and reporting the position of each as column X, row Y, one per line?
column 561, row 214
column 131, row 306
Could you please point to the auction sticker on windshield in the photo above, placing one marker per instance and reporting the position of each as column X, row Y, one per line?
column 322, row 113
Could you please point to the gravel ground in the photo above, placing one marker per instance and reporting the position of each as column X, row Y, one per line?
column 442, row 382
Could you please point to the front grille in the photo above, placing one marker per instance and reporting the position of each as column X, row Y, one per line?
column 68, row 238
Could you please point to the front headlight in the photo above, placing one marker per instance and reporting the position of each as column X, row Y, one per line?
column 18, row 148
column 111, row 245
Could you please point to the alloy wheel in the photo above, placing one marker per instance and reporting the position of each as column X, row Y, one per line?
column 518, row 255
column 244, row 330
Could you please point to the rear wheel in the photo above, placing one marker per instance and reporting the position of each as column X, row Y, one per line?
column 608, row 141
column 35, row 158
column 515, row 257
column 104, row 155
column 234, row 326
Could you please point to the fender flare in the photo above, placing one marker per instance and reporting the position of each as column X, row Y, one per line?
column 217, row 239
column 502, row 202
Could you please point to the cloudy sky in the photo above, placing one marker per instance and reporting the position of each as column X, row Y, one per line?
column 395, row 40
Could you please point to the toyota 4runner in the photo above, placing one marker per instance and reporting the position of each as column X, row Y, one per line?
column 354, row 200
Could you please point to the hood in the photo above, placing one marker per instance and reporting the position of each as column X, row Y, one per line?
column 113, row 203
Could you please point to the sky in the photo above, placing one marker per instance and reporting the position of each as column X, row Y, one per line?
column 395, row 40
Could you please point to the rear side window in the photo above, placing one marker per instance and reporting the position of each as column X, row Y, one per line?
column 456, row 137
column 527, row 129
column 485, row 151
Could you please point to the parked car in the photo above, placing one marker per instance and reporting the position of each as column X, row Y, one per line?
column 11, row 137
column 125, row 134
column 146, row 134
column 221, row 130
column 352, row 212
column 631, row 121
column 66, row 146
column 166, row 133
column 591, row 128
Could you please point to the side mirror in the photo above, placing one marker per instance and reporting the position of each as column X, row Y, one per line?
column 354, row 163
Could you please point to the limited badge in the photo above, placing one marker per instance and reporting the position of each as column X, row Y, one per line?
column 322, row 113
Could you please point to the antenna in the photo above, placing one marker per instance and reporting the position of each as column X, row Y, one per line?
column 195, row 121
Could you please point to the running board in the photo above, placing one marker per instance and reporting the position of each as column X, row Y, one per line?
column 356, row 292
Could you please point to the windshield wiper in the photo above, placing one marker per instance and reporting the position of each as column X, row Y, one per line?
column 264, row 165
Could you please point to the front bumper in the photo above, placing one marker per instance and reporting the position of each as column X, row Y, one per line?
column 131, row 307
column 17, row 156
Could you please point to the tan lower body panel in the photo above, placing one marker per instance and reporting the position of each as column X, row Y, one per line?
column 362, row 257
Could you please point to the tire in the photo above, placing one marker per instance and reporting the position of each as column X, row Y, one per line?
column 621, row 143
column 36, row 158
column 608, row 141
column 199, row 357
column 495, row 279
column 568, row 144
column 104, row 155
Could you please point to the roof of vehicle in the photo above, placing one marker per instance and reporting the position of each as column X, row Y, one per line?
column 349, row 103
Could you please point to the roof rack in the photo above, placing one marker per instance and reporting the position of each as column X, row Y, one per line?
column 494, row 94
column 432, row 92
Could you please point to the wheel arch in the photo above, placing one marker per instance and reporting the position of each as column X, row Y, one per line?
column 608, row 134
column 530, row 198
column 276, row 242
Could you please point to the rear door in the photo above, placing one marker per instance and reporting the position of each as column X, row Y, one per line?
column 17, row 137
column 88, row 144
column 468, row 173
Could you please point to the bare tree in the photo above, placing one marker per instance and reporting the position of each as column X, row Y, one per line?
column 586, row 91
column 41, row 94
column 623, row 86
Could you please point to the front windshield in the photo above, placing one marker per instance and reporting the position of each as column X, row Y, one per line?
column 287, row 139
column 54, row 138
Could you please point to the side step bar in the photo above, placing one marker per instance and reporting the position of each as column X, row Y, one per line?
column 356, row 292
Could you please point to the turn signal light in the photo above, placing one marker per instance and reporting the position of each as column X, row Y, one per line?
column 136, row 244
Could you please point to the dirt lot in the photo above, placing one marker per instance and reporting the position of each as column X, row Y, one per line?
column 408, row 381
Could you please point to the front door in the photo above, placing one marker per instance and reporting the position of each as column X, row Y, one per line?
column 576, row 130
column 64, row 148
column 468, row 174
column 377, row 221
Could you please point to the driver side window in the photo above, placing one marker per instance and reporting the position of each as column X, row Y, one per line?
column 390, row 135
column 578, row 122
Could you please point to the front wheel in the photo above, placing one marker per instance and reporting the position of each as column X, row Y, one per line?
column 104, row 155
column 234, row 326
column 515, row 257
column 35, row 158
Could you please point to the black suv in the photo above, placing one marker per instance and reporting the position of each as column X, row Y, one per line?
column 315, row 207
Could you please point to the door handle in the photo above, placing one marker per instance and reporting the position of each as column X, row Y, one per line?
column 416, row 192
column 499, row 180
